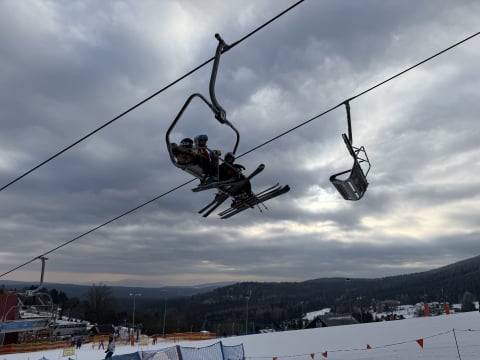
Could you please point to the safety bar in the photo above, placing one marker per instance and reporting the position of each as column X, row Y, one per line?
column 219, row 112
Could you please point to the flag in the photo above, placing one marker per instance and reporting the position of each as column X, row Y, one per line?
column 446, row 308
column 426, row 310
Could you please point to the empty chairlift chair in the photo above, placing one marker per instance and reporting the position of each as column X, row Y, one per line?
column 352, row 184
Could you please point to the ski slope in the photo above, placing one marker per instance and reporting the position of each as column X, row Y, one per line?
column 455, row 336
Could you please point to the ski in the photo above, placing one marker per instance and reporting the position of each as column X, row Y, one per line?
column 228, row 190
column 212, row 185
column 251, row 203
column 216, row 203
column 254, row 200
column 246, row 200
column 217, row 198
column 263, row 192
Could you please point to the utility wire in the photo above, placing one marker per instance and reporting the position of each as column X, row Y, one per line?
column 414, row 66
column 362, row 93
column 99, row 227
column 147, row 99
column 249, row 151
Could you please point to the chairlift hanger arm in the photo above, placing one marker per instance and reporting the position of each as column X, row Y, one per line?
column 220, row 113
column 43, row 258
column 349, row 121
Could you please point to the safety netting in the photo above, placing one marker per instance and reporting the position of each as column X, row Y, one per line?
column 133, row 356
column 216, row 351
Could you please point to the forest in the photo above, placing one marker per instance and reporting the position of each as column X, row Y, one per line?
column 227, row 310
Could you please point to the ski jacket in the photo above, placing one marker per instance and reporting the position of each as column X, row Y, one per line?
column 111, row 346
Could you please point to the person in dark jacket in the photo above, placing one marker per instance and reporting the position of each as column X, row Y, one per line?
column 206, row 158
column 110, row 347
column 229, row 170
column 183, row 152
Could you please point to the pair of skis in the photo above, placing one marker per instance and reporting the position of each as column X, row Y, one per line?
column 231, row 188
column 254, row 200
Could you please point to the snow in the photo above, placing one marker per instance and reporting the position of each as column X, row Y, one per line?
column 312, row 315
column 455, row 336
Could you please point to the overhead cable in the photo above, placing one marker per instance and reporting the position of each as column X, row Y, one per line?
column 249, row 151
column 362, row 93
column 98, row 227
column 147, row 99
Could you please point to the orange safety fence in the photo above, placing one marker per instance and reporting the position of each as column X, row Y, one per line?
column 32, row 347
column 190, row 336
column 40, row 346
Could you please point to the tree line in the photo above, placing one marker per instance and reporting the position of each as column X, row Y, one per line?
column 248, row 306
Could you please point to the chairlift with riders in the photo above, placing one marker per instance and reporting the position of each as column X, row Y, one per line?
column 226, row 188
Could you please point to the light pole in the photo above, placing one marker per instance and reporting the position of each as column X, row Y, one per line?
column 246, row 317
column 164, row 317
column 301, row 315
column 133, row 315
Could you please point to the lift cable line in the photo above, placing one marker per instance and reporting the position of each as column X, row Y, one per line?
column 361, row 93
column 416, row 65
column 148, row 98
column 98, row 227
column 247, row 152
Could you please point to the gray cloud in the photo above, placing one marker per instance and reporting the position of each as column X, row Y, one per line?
column 87, row 62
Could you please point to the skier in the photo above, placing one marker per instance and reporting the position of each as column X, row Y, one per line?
column 110, row 348
column 229, row 170
column 184, row 152
column 206, row 158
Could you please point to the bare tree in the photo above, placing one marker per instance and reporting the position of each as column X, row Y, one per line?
column 99, row 304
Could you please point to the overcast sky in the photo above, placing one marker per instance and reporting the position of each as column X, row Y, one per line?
column 68, row 67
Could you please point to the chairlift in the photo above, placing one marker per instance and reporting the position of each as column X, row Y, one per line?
column 40, row 298
column 352, row 184
column 231, row 187
column 34, row 310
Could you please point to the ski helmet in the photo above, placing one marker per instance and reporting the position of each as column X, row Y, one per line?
column 187, row 142
column 201, row 137
column 230, row 155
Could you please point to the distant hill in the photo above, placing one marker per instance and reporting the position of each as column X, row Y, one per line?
column 120, row 292
column 274, row 303
column 445, row 283
column 448, row 283
column 222, row 307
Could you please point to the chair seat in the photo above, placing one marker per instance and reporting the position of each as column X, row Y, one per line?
column 354, row 186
